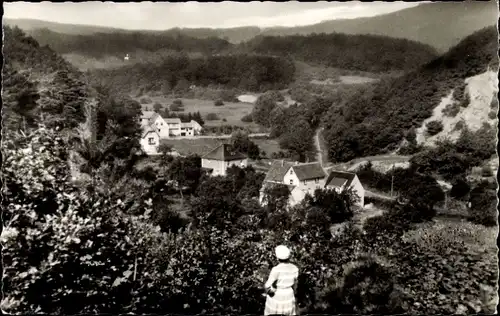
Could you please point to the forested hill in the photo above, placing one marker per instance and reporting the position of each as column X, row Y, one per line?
column 178, row 73
column 439, row 24
column 120, row 43
column 355, row 52
column 40, row 87
column 377, row 120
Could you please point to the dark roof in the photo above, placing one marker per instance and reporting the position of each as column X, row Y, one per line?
column 269, row 184
column 339, row 178
column 224, row 152
column 308, row 171
column 278, row 170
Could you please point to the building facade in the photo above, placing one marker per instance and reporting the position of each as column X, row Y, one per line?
column 218, row 160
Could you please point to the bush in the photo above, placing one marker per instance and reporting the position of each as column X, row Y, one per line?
column 212, row 117
column 219, row 103
column 492, row 115
column 224, row 120
column 434, row 127
column 451, row 110
column 460, row 188
column 459, row 126
column 483, row 209
column 145, row 100
column 247, row 118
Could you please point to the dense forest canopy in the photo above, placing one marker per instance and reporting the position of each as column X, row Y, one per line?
column 377, row 120
column 246, row 72
column 355, row 52
column 120, row 43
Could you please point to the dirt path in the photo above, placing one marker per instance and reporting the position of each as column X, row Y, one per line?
column 317, row 143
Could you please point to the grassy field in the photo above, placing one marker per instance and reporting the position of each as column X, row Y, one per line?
column 231, row 111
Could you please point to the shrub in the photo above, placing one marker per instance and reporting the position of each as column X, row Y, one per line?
column 465, row 101
column 247, row 118
column 492, row 115
column 218, row 102
column 483, row 209
column 460, row 188
column 224, row 120
column 434, row 127
column 494, row 102
column 145, row 100
column 459, row 126
column 486, row 171
column 451, row 110
column 212, row 117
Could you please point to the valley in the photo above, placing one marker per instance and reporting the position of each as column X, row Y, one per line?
column 157, row 171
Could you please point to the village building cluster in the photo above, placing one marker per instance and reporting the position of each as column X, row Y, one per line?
column 155, row 128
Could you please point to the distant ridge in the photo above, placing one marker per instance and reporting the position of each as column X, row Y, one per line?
column 439, row 24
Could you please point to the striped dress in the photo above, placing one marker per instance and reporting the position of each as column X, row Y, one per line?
column 283, row 300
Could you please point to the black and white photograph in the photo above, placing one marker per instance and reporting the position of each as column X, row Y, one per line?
column 250, row 158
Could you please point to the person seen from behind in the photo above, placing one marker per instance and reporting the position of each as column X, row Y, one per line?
column 281, row 285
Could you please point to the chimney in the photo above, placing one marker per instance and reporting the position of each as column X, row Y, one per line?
column 282, row 162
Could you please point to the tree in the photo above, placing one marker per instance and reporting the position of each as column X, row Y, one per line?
column 276, row 197
column 263, row 107
column 185, row 173
column 242, row 143
column 296, row 142
column 212, row 117
column 157, row 107
column 483, row 206
column 422, row 193
column 460, row 188
column 218, row 102
column 338, row 206
column 434, row 127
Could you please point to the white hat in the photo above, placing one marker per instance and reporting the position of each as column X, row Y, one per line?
column 282, row 252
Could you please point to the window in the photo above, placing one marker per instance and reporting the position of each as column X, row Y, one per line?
column 291, row 181
column 317, row 180
column 304, row 182
column 291, row 171
column 151, row 140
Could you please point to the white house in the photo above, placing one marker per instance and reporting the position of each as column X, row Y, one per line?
column 150, row 141
column 174, row 126
column 154, row 120
column 305, row 178
column 167, row 127
column 196, row 127
column 301, row 179
column 221, row 158
column 340, row 180
column 187, row 129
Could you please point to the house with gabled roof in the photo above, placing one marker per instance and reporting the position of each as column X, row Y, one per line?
column 305, row 178
column 219, row 159
column 150, row 140
column 340, row 180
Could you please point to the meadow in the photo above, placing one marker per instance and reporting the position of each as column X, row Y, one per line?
column 232, row 112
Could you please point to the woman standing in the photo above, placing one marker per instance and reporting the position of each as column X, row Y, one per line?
column 280, row 286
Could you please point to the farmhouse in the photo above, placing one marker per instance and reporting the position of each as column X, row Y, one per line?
column 305, row 178
column 217, row 161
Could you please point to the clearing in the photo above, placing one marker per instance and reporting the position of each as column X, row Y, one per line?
column 231, row 111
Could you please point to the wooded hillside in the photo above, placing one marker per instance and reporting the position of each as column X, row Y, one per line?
column 247, row 72
column 354, row 52
column 377, row 120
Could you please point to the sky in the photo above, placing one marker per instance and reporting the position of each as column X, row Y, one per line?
column 165, row 15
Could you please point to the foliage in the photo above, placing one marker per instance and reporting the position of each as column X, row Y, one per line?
column 247, row 118
column 434, row 127
column 483, row 209
column 145, row 100
column 218, row 102
column 242, row 143
column 338, row 206
column 212, row 117
column 375, row 121
column 347, row 51
column 460, row 188
column 451, row 110
column 241, row 71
